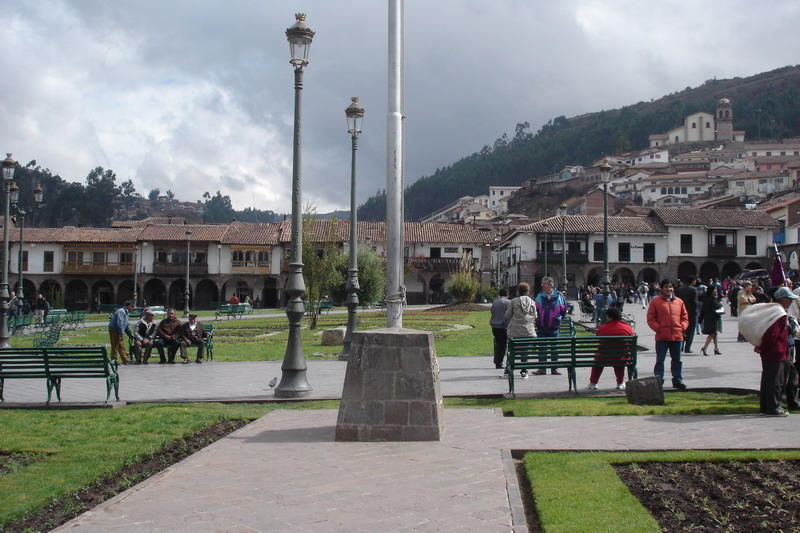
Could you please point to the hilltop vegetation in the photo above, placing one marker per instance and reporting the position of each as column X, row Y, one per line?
column 580, row 140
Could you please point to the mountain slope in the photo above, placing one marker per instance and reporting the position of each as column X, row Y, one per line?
column 582, row 139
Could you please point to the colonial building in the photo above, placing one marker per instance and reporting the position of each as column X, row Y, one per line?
column 667, row 243
column 74, row 267
column 702, row 126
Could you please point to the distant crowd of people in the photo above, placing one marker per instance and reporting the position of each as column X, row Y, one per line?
column 675, row 315
column 168, row 337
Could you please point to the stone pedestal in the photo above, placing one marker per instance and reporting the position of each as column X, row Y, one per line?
column 645, row 391
column 333, row 337
column 391, row 388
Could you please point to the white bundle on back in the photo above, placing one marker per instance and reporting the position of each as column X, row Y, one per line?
column 756, row 320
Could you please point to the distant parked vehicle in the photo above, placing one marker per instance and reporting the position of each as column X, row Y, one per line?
column 759, row 274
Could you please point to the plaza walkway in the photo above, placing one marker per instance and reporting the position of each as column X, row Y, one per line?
column 737, row 368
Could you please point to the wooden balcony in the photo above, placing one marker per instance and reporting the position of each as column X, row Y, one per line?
column 721, row 250
column 250, row 267
column 437, row 264
column 172, row 269
column 572, row 257
column 71, row 267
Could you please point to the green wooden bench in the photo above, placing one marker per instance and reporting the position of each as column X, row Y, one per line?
column 535, row 353
column 20, row 324
column 324, row 306
column 48, row 337
column 107, row 308
column 231, row 311
column 567, row 327
column 75, row 319
column 55, row 364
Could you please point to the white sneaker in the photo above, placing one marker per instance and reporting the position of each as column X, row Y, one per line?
column 592, row 386
column 621, row 386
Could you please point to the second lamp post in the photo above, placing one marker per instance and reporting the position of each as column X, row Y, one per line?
column 355, row 114
column 38, row 196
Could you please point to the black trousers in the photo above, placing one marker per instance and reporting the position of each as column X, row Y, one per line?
column 688, row 336
column 791, row 374
column 500, row 341
column 771, row 385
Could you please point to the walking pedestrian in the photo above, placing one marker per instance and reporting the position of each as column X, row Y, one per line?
column 550, row 309
column 688, row 293
column 709, row 318
column 499, row 324
column 521, row 317
column 117, row 330
column 668, row 318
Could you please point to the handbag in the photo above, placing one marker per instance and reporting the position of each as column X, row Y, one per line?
column 721, row 310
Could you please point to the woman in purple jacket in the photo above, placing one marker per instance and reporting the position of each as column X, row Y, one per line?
column 550, row 309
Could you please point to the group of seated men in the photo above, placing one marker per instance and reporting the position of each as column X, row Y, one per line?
column 170, row 334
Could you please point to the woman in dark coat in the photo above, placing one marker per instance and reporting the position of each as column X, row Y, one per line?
column 710, row 319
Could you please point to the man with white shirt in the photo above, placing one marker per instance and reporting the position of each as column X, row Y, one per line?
column 193, row 334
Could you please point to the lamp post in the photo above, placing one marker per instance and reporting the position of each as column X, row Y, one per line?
column 9, row 165
column 293, row 382
column 546, row 229
column 355, row 115
column 188, row 263
column 605, row 173
column 137, row 258
column 563, row 212
column 38, row 195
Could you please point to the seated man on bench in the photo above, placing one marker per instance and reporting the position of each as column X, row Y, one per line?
column 144, row 332
column 168, row 336
column 193, row 334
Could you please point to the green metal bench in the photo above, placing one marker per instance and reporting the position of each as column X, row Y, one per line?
column 567, row 327
column 535, row 353
column 231, row 311
column 324, row 305
column 55, row 364
column 48, row 337
column 107, row 308
column 20, row 324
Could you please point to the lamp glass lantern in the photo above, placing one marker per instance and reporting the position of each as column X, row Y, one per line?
column 13, row 193
column 299, row 37
column 9, row 165
column 38, row 194
column 355, row 116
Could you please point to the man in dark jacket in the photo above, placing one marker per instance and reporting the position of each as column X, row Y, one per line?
column 168, row 336
column 498, row 324
column 144, row 333
column 774, row 352
column 688, row 293
column 193, row 334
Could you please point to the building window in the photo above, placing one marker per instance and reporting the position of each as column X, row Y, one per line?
column 649, row 252
column 686, row 243
column 624, row 252
column 98, row 258
column 750, row 247
column 597, row 251
column 74, row 257
column 783, row 153
column 126, row 258
column 754, row 154
column 769, row 154
column 161, row 256
column 683, row 190
column 501, row 193
column 48, row 261
column 676, row 138
column 697, row 189
column 24, row 260
column 762, row 182
column 663, row 190
column 694, row 125
column 708, row 124
column 436, row 252
column 653, row 189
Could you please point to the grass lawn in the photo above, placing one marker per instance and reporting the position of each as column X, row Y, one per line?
column 264, row 339
column 82, row 446
column 581, row 491
column 676, row 403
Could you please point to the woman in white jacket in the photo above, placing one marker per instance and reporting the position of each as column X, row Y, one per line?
column 521, row 316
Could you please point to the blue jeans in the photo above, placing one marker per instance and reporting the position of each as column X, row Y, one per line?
column 543, row 350
column 674, row 348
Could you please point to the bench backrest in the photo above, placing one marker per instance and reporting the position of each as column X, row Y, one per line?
column 67, row 361
column 577, row 348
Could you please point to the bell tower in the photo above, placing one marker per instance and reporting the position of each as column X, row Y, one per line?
column 724, row 120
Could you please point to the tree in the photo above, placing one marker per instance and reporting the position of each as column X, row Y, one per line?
column 128, row 193
column 218, row 209
column 153, row 195
column 320, row 260
column 462, row 285
column 101, row 196
column 371, row 276
column 170, row 195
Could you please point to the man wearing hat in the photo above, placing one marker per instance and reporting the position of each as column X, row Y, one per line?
column 144, row 332
column 193, row 334
column 774, row 352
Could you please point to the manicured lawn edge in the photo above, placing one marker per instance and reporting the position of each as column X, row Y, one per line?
column 580, row 491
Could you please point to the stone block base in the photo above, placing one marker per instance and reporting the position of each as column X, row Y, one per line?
column 391, row 388
column 645, row 391
column 333, row 337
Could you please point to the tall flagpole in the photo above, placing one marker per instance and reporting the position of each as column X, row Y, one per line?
column 395, row 290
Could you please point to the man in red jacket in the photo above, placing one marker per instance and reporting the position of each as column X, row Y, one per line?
column 667, row 316
column 774, row 351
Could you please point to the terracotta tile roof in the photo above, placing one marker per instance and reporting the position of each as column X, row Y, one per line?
column 146, row 221
column 594, row 224
column 177, row 232
column 73, row 234
column 716, row 218
column 339, row 231
column 252, row 233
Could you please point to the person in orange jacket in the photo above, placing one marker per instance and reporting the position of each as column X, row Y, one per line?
column 667, row 316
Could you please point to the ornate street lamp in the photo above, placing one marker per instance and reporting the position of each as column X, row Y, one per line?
column 605, row 173
column 9, row 165
column 563, row 212
column 355, row 115
column 546, row 229
column 188, row 263
column 38, row 196
column 294, row 382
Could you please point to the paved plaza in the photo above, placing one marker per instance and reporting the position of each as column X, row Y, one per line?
column 284, row 472
column 739, row 367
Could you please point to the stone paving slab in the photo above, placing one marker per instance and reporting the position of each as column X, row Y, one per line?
column 738, row 368
column 284, row 472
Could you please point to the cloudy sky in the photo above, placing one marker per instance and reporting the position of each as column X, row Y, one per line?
column 196, row 95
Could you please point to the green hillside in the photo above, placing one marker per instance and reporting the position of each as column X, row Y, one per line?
column 582, row 139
